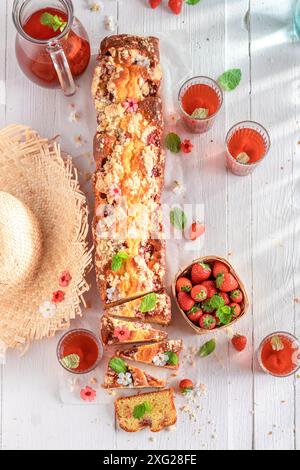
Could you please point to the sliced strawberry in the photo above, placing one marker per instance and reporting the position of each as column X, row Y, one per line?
column 219, row 268
column 225, row 297
column 196, row 230
column 154, row 3
column 183, row 284
column 186, row 386
column 200, row 272
column 185, row 301
column 236, row 309
column 210, row 287
column 226, row 282
column 236, row 296
column 199, row 293
column 208, row 322
column 175, row 6
column 239, row 342
column 194, row 314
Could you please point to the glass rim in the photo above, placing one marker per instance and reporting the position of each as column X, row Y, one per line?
column 97, row 341
column 282, row 333
column 16, row 15
column 195, row 78
column 268, row 143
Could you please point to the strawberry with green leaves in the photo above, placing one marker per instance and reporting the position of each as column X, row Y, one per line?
column 212, row 304
column 199, row 293
column 210, row 287
column 236, row 309
column 236, row 296
column 225, row 297
column 154, row 3
column 185, row 301
column 219, row 268
column 186, row 386
column 195, row 313
column 207, row 322
column 183, row 284
column 239, row 342
column 226, row 282
column 200, row 272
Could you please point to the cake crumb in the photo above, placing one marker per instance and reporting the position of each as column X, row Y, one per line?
column 95, row 7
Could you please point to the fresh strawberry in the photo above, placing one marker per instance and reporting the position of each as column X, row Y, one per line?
column 236, row 296
column 199, row 293
column 219, row 268
column 225, row 297
column 186, row 386
column 196, row 230
column 239, row 342
column 200, row 272
column 207, row 322
column 226, row 282
column 183, row 284
column 211, row 288
column 185, row 301
column 154, row 3
column 236, row 309
column 175, row 6
column 194, row 314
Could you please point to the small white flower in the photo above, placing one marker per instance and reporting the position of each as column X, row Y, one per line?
column 47, row 309
column 178, row 188
column 109, row 23
column 74, row 116
column 142, row 61
column 124, row 379
column 160, row 360
column 110, row 293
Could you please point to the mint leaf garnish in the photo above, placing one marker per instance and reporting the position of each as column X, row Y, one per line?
column 173, row 358
column 277, row 344
column 140, row 410
column 173, row 142
column 53, row 21
column 230, row 80
column 192, row 2
column 207, row 348
column 148, row 303
column 243, row 158
column 214, row 303
column 178, row 218
column 71, row 361
column 118, row 365
column 224, row 314
column 200, row 113
column 118, row 259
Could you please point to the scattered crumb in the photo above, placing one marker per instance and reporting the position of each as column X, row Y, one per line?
column 151, row 439
column 74, row 116
column 79, row 140
column 95, row 7
column 270, row 433
column 87, row 176
column 111, row 392
column 93, row 380
column 296, row 300
column 229, row 253
column 298, row 376
column 172, row 428
column 109, row 23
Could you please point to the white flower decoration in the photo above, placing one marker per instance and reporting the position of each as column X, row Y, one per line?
column 160, row 360
column 124, row 379
column 110, row 293
column 47, row 309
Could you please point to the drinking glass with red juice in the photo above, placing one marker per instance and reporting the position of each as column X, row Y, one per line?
column 79, row 351
column 247, row 145
column 52, row 47
column 200, row 99
column 279, row 354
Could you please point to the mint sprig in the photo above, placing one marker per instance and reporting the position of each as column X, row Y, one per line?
column 178, row 218
column 71, row 361
column 148, row 303
column 118, row 260
column 207, row 348
column 118, row 365
column 53, row 21
column 230, row 79
column 140, row 410
column 214, row 303
column 173, row 358
column 173, row 142
column 224, row 315
column 192, row 2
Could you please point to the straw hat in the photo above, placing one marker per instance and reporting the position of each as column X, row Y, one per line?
column 43, row 228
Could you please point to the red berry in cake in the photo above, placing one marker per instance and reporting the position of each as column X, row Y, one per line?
column 175, row 6
column 183, row 284
column 210, row 287
column 236, row 296
column 239, row 342
column 154, row 3
column 194, row 314
column 185, row 301
column 200, row 272
column 225, row 297
column 226, row 282
column 186, row 386
column 208, row 322
column 199, row 293
column 236, row 309
column 219, row 268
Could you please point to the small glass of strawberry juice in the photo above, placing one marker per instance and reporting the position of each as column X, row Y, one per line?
column 247, row 145
column 200, row 100
column 79, row 351
column 279, row 354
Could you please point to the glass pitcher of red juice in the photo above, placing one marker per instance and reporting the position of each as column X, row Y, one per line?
column 52, row 47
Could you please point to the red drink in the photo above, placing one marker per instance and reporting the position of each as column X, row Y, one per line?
column 200, row 99
column 52, row 52
column 279, row 354
column 247, row 144
column 79, row 351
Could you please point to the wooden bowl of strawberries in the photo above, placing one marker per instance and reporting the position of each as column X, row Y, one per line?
column 210, row 295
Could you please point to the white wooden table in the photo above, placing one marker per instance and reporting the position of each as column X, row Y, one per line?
column 255, row 221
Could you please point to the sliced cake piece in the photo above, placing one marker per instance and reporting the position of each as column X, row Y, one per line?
column 121, row 375
column 155, row 410
column 162, row 354
column 114, row 331
column 151, row 308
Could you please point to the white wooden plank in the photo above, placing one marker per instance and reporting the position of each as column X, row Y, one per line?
column 240, row 375
column 273, row 59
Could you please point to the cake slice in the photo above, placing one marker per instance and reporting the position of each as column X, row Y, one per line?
column 163, row 354
column 155, row 410
column 151, row 308
column 121, row 375
column 114, row 331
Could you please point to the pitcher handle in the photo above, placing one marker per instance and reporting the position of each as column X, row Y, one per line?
column 62, row 68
